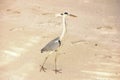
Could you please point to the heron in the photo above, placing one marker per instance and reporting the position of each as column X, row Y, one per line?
column 54, row 44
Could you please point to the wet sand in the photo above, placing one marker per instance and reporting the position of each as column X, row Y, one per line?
column 90, row 48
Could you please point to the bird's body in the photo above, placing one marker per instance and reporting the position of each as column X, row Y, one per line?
column 52, row 45
column 55, row 43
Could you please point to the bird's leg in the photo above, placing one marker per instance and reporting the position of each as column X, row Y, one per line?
column 56, row 70
column 42, row 66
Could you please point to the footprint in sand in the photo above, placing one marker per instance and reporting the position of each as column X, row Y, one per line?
column 79, row 42
column 8, row 10
column 106, row 29
column 16, row 12
column 16, row 29
column 13, row 11
column 36, row 10
column 84, row 42
column 103, row 56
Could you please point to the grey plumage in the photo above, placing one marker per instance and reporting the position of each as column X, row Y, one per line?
column 55, row 43
column 52, row 45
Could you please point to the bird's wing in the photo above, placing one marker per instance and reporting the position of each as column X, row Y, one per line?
column 52, row 45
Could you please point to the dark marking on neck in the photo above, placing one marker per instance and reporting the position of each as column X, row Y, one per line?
column 59, row 42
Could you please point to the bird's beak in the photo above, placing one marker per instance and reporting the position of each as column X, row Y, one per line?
column 72, row 15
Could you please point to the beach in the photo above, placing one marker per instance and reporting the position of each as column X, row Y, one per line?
column 88, row 51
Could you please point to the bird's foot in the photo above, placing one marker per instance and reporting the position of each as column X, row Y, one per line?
column 58, row 71
column 43, row 68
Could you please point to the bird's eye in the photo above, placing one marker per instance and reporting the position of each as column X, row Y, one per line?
column 66, row 13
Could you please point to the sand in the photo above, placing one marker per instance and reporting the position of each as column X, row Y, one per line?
column 90, row 48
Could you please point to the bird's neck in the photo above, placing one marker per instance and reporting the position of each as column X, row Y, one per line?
column 64, row 27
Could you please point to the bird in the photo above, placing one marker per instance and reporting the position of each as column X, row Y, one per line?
column 54, row 44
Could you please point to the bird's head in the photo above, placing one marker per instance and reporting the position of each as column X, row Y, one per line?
column 65, row 14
